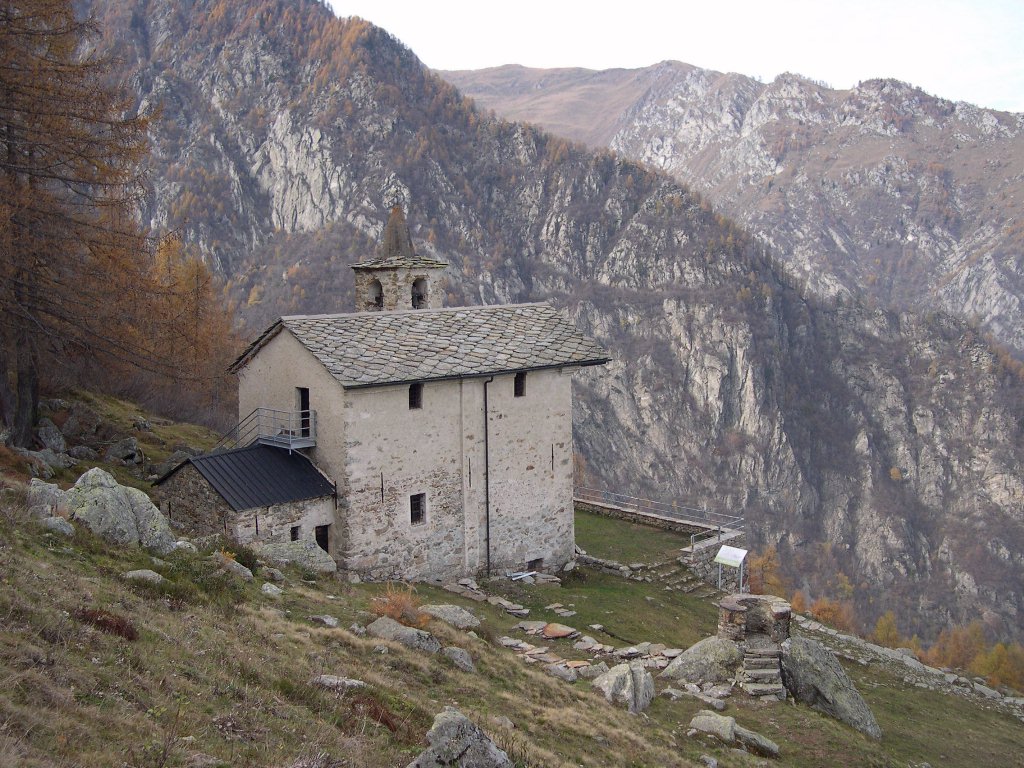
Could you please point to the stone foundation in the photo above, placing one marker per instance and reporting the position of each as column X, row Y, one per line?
column 740, row 615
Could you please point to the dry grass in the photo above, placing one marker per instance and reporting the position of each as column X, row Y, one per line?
column 401, row 603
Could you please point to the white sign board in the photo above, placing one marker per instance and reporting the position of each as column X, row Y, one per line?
column 733, row 556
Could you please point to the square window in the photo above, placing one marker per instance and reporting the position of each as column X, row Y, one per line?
column 295, row 532
column 519, row 386
column 416, row 395
column 418, row 508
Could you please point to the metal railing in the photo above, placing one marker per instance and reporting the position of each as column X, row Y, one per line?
column 285, row 429
column 718, row 523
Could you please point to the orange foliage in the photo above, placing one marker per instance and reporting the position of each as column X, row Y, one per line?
column 798, row 602
column 401, row 604
column 836, row 613
column 764, row 574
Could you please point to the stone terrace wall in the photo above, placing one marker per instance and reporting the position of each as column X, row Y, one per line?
column 636, row 517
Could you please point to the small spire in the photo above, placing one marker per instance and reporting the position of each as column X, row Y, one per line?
column 397, row 242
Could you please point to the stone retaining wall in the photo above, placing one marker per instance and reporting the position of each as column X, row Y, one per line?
column 636, row 517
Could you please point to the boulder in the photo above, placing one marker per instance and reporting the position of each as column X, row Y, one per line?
column 325, row 620
column 554, row 630
column 58, row 525
column 126, row 451
column 630, row 684
column 82, row 423
column 271, row 590
column 118, row 514
column 712, row 660
column 335, row 683
column 232, row 566
column 452, row 614
column 387, row 628
column 562, row 672
column 460, row 658
column 172, row 461
column 305, row 554
column 50, row 437
column 456, row 741
column 814, row 677
column 726, row 730
column 593, row 671
column 145, row 575
column 83, row 452
column 44, row 499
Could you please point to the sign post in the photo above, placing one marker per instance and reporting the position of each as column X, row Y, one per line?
column 732, row 557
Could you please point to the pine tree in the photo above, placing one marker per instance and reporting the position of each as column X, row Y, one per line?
column 69, row 180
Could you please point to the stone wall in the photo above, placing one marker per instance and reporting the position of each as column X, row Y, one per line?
column 190, row 502
column 275, row 523
column 394, row 452
column 271, row 379
column 620, row 513
column 396, row 287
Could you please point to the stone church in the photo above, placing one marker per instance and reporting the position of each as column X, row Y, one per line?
column 445, row 433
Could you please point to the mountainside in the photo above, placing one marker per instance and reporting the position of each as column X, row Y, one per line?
column 916, row 200
column 882, row 452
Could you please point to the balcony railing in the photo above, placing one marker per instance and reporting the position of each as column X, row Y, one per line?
column 285, row 429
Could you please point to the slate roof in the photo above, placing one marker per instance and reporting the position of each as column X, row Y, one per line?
column 366, row 349
column 259, row 475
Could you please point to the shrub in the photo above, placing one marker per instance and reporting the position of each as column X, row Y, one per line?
column 108, row 622
column 401, row 604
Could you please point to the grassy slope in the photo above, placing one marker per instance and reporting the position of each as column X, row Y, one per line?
column 222, row 669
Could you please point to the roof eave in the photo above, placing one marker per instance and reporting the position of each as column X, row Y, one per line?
column 481, row 375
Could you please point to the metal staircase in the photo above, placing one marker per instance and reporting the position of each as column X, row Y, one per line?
column 266, row 426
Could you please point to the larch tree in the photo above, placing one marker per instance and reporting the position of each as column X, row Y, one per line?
column 71, row 250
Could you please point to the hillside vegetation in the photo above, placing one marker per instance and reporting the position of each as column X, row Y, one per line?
column 207, row 670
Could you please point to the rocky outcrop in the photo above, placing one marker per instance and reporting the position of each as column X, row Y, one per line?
column 814, row 677
column 118, row 514
column 303, row 553
column 455, row 741
column 627, row 684
column 452, row 614
column 881, row 188
column 726, row 730
column 417, row 639
column 711, row 660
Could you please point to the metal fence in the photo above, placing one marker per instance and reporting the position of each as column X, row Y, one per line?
column 286, row 429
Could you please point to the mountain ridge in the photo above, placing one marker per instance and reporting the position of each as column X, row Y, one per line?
column 880, row 188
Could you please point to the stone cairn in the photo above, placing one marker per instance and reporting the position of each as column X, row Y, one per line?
column 758, row 624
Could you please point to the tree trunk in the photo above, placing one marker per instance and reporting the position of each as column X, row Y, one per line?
column 8, row 403
column 28, row 392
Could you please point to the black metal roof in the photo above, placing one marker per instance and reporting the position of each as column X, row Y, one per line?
column 259, row 476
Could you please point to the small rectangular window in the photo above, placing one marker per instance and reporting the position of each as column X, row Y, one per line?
column 416, row 395
column 418, row 508
column 295, row 533
column 519, row 388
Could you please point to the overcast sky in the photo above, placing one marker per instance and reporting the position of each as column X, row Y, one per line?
column 969, row 50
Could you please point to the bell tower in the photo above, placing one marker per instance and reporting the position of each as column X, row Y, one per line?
column 398, row 278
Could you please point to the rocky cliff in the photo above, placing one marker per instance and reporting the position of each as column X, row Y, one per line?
column 881, row 451
column 913, row 199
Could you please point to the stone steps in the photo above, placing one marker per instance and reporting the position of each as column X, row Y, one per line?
column 761, row 673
